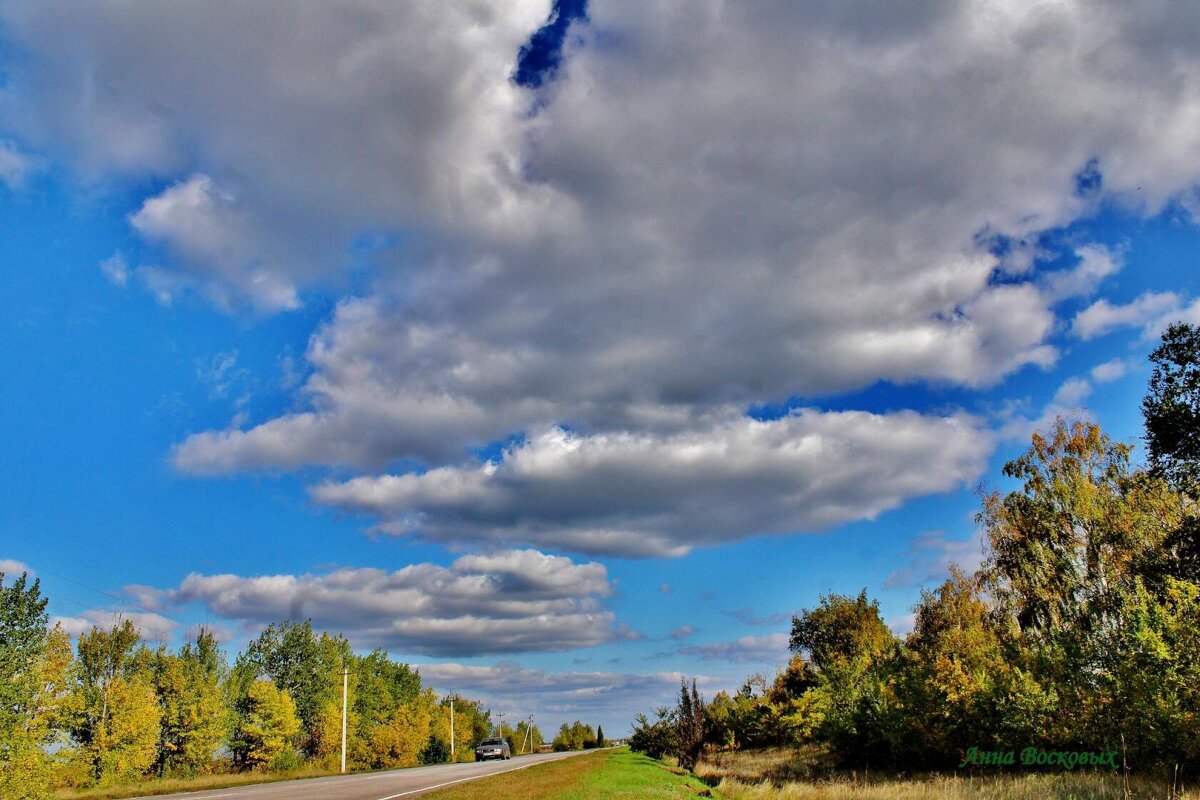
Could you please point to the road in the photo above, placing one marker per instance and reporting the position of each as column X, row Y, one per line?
column 390, row 785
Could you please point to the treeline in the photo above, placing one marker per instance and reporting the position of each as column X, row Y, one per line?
column 1080, row 632
column 578, row 736
column 114, row 709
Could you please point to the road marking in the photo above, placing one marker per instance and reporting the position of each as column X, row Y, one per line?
column 464, row 780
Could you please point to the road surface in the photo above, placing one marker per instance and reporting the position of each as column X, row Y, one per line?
column 390, row 785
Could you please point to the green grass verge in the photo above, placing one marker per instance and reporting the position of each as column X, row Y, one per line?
column 607, row 775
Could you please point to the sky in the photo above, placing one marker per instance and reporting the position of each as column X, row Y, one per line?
column 565, row 349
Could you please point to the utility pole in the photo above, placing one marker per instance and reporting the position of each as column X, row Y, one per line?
column 345, row 695
column 451, row 728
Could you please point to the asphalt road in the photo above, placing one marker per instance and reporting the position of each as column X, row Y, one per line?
column 390, row 785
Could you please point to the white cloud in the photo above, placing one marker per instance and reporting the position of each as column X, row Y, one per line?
column 206, row 229
column 930, row 555
column 1150, row 311
column 804, row 472
column 1096, row 262
column 13, row 568
column 682, row 632
column 1109, row 371
column 504, row 602
column 670, row 236
column 152, row 626
column 769, row 649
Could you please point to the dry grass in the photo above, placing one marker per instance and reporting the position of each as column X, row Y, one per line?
column 764, row 775
column 175, row 785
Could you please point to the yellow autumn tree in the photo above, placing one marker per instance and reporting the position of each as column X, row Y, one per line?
column 267, row 727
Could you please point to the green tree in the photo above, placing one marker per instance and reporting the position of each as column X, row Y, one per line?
column 194, row 715
column 116, row 715
column 689, row 725
column 267, row 726
column 851, row 651
column 309, row 668
column 654, row 737
column 1171, row 408
column 600, row 736
column 33, row 667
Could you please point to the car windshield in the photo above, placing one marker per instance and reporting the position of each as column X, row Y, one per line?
column 491, row 741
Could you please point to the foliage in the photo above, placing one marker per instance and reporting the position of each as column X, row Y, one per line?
column 689, row 726
column 309, row 668
column 267, row 725
column 656, row 738
column 194, row 717
column 576, row 736
column 33, row 666
column 1171, row 408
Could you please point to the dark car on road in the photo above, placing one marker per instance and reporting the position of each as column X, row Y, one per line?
column 492, row 748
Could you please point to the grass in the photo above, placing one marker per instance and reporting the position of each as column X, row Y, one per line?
column 608, row 775
column 174, row 785
column 778, row 774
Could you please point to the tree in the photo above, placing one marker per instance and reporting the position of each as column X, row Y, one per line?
column 840, row 629
column 600, row 736
column 656, row 738
column 194, row 715
column 309, row 668
column 851, row 650
column 116, row 715
column 529, row 739
column 266, row 728
column 689, row 724
column 1171, row 408
column 33, row 666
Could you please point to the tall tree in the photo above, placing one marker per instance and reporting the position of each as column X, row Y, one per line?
column 689, row 724
column 116, row 716
column 194, row 715
column 309, row 668
column 1171, row 408
column 33, row 665
column 267, row 725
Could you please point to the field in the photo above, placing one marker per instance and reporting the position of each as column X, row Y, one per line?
column 771, row 775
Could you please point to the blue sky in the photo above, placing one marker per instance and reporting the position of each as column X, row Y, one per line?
column 587, row 377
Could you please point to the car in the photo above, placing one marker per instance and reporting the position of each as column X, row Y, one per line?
column 492, row 748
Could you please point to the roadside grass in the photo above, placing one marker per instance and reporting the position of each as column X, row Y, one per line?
column 999, row 787
column 783, row 774
column 609, row 775
column 158, row 786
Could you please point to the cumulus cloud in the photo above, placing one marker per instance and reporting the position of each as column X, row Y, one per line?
column 930, row 555
column 806, row 471
column 503, row 602
column 708, row 207
column 772, row 648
